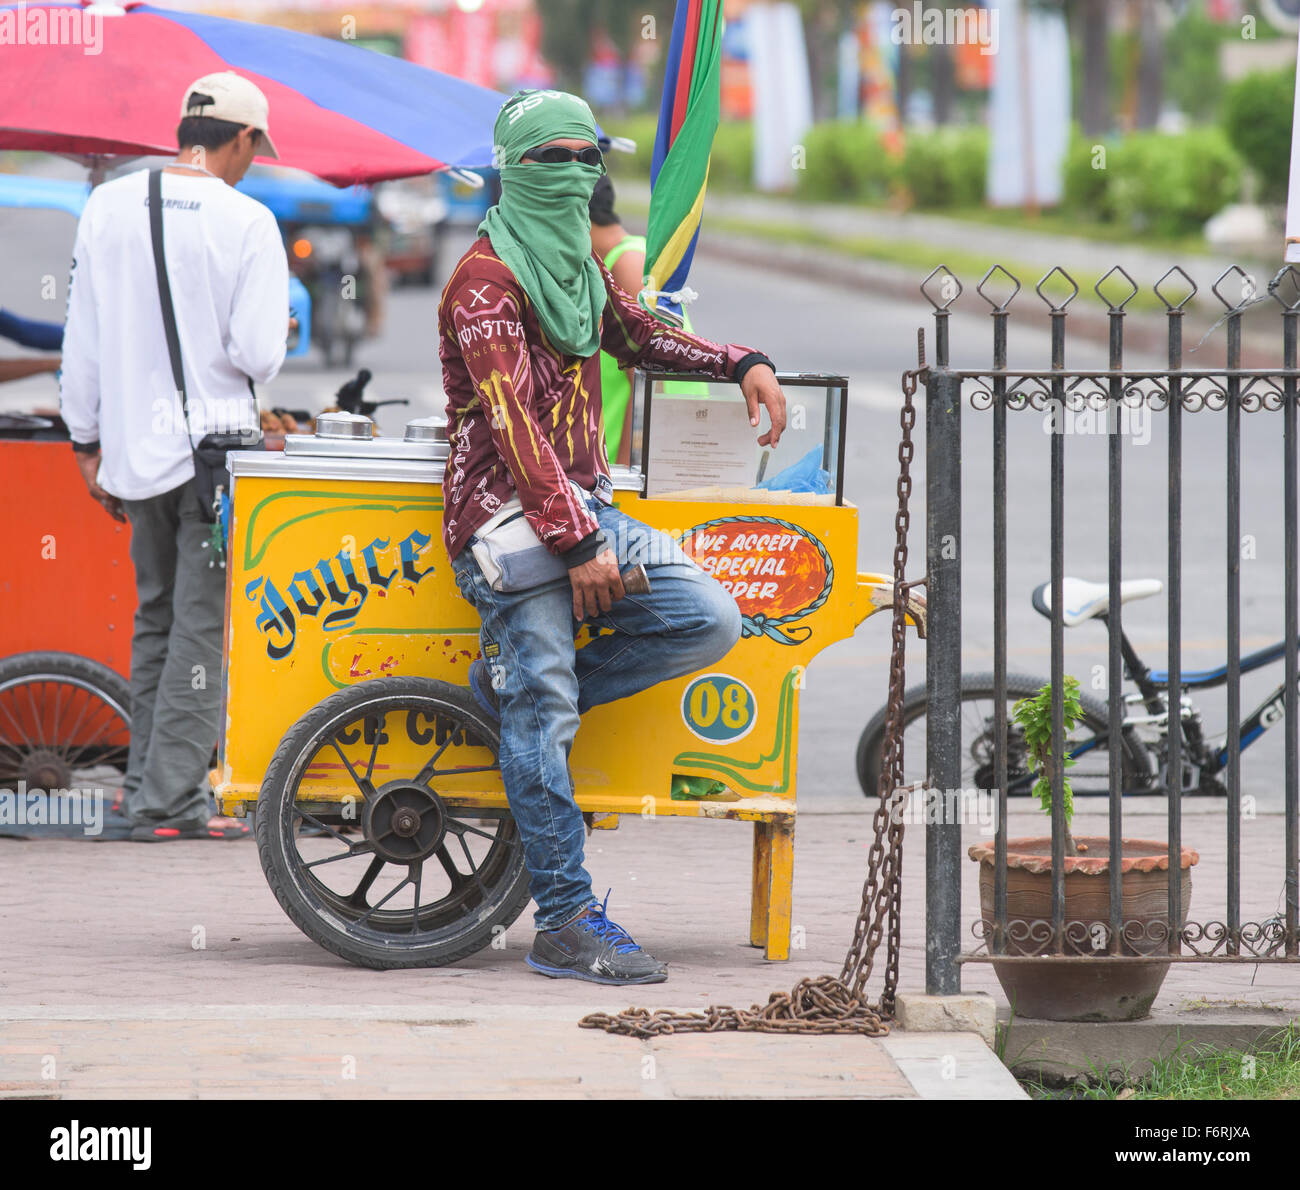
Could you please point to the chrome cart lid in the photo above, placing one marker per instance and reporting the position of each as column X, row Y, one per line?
column 426, row 429
column 350, row 426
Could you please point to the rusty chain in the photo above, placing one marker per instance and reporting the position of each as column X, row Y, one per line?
column 827, row 1003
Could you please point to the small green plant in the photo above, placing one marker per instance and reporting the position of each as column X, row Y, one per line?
column 1034, row 714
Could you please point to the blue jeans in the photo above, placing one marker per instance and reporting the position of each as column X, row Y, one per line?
column 544, row 684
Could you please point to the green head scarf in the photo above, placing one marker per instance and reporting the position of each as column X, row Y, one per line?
column 541, row 227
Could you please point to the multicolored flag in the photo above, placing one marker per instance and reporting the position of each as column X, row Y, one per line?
column 679, row 171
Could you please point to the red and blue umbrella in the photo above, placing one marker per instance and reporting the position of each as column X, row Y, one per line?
column 341, row 112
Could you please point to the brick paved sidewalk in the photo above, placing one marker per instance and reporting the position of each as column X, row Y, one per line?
column 125, row 1004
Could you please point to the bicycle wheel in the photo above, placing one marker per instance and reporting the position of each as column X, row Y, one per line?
column 65, row 722
column 1087, row 741
column 426, row 882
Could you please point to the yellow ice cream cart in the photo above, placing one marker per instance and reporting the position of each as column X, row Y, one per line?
column 382, row 824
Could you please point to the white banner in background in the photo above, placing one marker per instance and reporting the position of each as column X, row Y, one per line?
column 778, row 71
column 1029, row 110
column 1293, row 187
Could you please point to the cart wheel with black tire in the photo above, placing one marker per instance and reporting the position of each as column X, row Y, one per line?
column 428, row 878
column 65, row 722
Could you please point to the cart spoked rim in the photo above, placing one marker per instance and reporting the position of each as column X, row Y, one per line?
column 398, row 865
column 65, row 722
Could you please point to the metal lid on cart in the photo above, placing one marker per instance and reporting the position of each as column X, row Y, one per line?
column 341, row 424
column 426, row 429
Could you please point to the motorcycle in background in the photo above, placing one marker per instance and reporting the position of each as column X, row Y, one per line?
column 329, row 262
column 329, row 236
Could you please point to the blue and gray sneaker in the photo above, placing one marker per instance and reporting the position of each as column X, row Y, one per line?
column 593, row 948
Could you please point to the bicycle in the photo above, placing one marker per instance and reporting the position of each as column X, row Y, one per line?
column 1145, row 732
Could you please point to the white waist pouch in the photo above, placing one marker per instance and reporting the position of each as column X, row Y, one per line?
column 509, row 553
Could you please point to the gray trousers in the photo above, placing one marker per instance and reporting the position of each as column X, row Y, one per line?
column 175, row 661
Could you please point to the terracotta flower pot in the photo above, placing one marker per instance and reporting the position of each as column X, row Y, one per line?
column 1074, row 991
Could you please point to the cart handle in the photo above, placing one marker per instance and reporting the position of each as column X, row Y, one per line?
column 878, row 590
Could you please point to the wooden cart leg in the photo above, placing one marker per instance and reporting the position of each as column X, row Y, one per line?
column 762, row 878
column 780, row 886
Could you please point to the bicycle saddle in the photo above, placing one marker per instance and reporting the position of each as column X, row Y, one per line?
column 1084, row 600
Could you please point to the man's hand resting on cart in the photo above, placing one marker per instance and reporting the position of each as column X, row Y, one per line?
column 760, row 387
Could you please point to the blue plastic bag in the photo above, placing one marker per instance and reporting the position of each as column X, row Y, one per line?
column 806, row 475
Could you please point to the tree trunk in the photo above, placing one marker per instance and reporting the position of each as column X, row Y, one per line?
column 1151, row 76
column 1094, row 104
column 941, row 67
column 566, row 38
column 819, row 38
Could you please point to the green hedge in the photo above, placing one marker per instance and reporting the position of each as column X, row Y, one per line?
column 731, row 166
column 1151, row 183
column 1087, row 186
column 1154, row 183
column 1257, row 120
column 946, row 167
column 640, row 129
column 845, row 159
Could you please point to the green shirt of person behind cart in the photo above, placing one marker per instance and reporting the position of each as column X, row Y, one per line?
column 624, row 256
column 612, row 242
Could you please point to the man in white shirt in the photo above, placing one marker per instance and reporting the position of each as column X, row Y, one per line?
column 229, row 282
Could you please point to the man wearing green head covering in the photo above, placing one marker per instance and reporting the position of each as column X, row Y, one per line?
column 529, row 524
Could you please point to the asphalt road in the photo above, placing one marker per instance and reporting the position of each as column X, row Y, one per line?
column 809, row 326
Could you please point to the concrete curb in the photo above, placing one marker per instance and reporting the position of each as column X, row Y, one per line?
column 970, row 1012
column 1062, row 1051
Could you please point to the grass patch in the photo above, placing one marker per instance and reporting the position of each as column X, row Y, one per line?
column 1199, row 1073
column 1061, row 223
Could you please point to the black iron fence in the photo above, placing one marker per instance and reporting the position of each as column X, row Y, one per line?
column 1151, row 740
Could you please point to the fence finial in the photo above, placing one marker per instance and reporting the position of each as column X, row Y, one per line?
column 1111, row 306
column 1286, row 273
column 949, row 287
column 1249, row 288
column 998, row 308
column 1038, row 289
column 1191, row 292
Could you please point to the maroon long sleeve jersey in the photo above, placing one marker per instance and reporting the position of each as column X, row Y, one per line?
column 524, row 417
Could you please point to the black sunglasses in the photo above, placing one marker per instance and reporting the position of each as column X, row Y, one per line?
column 557, row 155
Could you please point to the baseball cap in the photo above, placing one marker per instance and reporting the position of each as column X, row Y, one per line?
column 226, row 95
